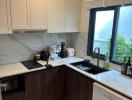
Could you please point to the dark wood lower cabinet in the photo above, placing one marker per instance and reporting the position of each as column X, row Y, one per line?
column 52, row 84
column 33, row 85
column 14, row 96
column 79, row 87
column 59, row 83
column 45, row 85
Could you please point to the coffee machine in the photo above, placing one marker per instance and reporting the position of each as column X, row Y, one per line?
column 63, row 52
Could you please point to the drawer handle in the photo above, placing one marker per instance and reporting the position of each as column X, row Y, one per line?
column 109, row 97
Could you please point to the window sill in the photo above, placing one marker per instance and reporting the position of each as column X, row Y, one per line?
column 114, row 65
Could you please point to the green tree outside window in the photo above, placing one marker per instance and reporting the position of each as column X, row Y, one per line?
column 122, row 49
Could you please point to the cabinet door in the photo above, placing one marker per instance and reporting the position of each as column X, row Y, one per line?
column 52, row 84
column 45, row 85
column 72, row 15
column 33, row 86
column 102, row 93
column 4, row 21
column 38, row 14
column 55, row 13
column 14, row 96
column 19, row 14
column 79, row 87
column 73, row 86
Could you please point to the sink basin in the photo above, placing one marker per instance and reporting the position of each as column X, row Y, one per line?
column 96, row 70
column 89, row 67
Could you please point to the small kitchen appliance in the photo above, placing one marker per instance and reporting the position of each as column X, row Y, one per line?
column 54, row 50
column 70, row 52
column 63, row 52
column 31, row 64
column 44, row 55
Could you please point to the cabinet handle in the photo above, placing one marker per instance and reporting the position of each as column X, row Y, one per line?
column 108, row 97
column 111, row 98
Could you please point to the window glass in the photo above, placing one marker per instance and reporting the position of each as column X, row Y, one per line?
column 123, row 45
column 103, row 30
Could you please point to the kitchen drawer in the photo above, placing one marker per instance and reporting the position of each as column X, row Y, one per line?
column 102, row 93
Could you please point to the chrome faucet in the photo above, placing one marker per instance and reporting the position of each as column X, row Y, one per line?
column 98, row 55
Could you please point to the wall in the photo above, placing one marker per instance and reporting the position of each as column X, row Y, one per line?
column 20, row 46
column 82, row 38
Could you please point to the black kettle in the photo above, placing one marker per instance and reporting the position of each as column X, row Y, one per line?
column 44, row 55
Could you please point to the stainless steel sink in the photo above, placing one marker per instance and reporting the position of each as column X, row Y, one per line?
column 89, row 67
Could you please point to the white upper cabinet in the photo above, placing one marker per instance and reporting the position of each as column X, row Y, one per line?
column 55, row 14
column 63, row 15
column 28, row 14
column 19, row 14
column 72, row 15
column 38, row 14
column 58, row 16
column 4, row 17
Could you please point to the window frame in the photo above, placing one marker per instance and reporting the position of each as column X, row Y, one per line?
column 92, row 20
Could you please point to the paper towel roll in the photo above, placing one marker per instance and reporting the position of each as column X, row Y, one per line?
column 0, row 94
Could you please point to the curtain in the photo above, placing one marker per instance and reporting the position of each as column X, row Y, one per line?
column 106, row 3
column 128, row 1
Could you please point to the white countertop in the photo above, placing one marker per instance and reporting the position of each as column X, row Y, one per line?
column 15, row 69
column 12, row 69
column 112, row 79
column 62, row 61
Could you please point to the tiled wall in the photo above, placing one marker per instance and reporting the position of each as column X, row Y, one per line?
column 20, row 46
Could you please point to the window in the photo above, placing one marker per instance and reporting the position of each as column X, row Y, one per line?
column 103, row 30
column 110, row 29
column 123, row 44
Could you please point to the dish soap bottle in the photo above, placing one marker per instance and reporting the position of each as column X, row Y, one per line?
column 106, row 64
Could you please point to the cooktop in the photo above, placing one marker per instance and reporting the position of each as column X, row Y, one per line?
column 31, row 64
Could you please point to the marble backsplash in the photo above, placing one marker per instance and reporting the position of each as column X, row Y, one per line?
column 20, row 46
